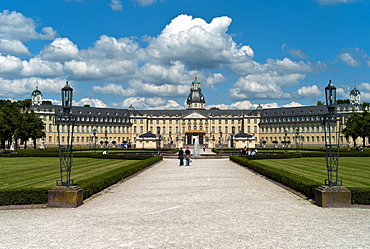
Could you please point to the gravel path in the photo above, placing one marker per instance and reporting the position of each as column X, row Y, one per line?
column 214, row 203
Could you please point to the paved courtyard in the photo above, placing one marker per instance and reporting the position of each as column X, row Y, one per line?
column 214, row 203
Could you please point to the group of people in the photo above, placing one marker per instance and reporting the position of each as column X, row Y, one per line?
column 184, row 154
column 248, row 152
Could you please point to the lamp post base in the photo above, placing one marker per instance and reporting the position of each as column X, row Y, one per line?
column 65, row 197
column 335, row 196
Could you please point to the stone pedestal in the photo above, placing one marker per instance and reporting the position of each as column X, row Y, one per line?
column 336, row 196
column 65, row 197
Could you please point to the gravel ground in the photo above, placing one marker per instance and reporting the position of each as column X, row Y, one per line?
column 214, row 203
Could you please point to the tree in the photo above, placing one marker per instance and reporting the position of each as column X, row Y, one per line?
column 343, row 101
column 10, row 120
column 357, row 125
column 214, row 108
column 319, row 103
column 31, row 127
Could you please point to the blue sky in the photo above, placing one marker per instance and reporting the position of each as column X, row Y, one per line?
column 147, row 52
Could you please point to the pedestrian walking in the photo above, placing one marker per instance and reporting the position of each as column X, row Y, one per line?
column 204, row 148
column 187, row 156
column 181, row 157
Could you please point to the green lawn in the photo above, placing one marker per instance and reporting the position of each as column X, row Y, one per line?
column 22, row 172
column 354, row 171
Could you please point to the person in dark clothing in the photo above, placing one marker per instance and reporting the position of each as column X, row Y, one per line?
column 187, row 156
column 181, row 157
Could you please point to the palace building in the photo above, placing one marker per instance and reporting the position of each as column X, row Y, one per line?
column 180, row 128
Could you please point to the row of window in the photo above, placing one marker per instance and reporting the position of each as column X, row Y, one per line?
column 301, row 139
column 293, row 129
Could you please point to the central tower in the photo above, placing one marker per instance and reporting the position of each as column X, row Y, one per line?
column 195, row 99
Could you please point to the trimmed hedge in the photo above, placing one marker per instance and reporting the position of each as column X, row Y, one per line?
column 90, row 186
column 23, row 196
column 360, row 195
column 297, row 182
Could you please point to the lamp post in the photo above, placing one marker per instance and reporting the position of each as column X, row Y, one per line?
column 285, row 136
column 220, row 142
column 158, row 140
column 65, row 149
column 94, row 133
column 332, row 137
column 296, row 139
column 332, row 194
column 170, row 140
column 232, row 138
column 106, row 138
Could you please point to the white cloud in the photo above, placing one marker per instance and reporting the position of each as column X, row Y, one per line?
column 331, row 2
column 147, row 2
column 16, row 26
column 149, row 103
column 349, row 60
column 116, row 5
column 294, row 52
column 40, row 68
column 292, row 104
column 91, row 102
column 114, row 89
column 309, row 91
column 179, row 40
column 25, row 86
column 14, row 47
column 267, row 85
column 365, row 86
column 61, row 49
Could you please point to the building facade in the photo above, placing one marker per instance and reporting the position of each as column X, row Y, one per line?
column 179, row 128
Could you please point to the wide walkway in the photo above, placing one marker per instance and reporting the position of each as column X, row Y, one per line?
column 214, row 203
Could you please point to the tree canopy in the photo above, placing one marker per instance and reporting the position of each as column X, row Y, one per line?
column 18, row 123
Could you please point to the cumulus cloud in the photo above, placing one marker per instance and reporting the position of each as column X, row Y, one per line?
column 25, row 86
column 91, row 102
column 264, row 86
column 116, row 5
column 149, row 103
column 16, row 26
column 294, row 52
column 309, row 91
column 14, row 47
column 365, row 86
column 179, row 40
column 354, row 57
column 61, row 49
column 147, row 2
column 332, row 2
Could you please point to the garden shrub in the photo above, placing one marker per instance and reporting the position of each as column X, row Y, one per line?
column 23, row 196
column 360, row 195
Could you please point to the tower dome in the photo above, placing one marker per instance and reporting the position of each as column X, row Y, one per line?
column 195, row 98
column 355, row 96
column 36, row 97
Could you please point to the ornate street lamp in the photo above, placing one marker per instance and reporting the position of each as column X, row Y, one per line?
column 330, row 96
column 232, row 138
column 94, row 133
column 285, row 136
column 296, row 139
column 65, row 147
column 332, row 137
column 158, row 140
column 332, row 194
column 220, row 141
